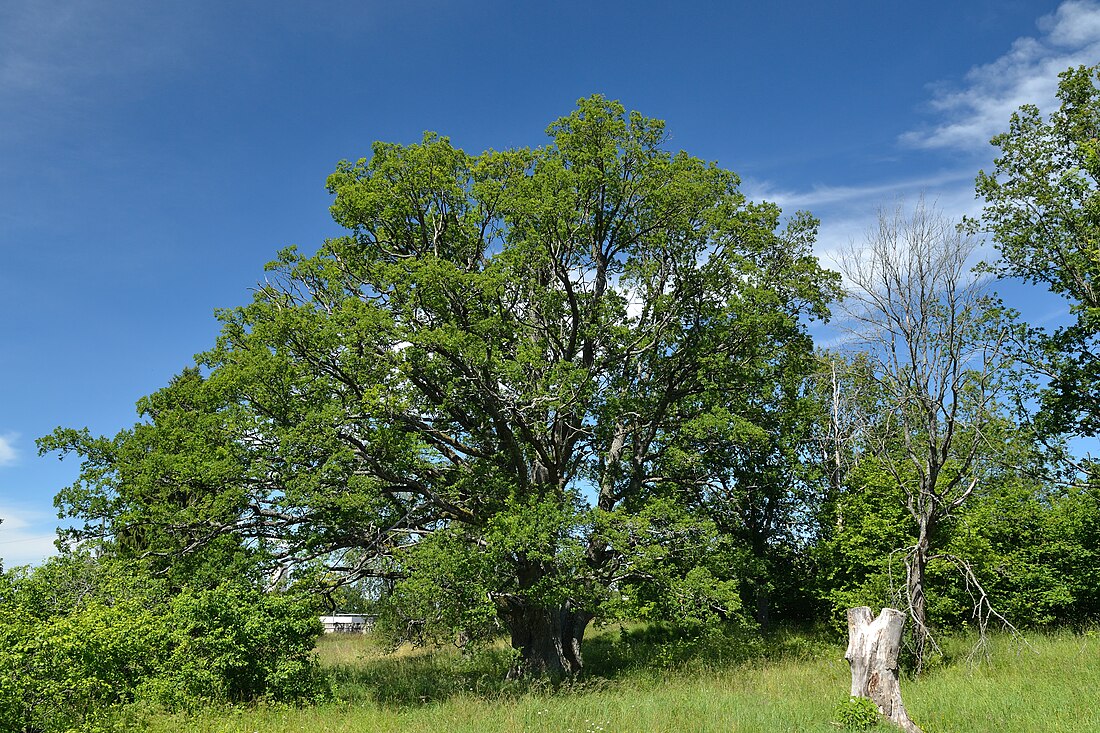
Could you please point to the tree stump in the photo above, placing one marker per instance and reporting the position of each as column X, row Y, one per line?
column 873, row 645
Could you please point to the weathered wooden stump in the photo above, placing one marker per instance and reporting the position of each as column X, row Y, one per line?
column 873, row 645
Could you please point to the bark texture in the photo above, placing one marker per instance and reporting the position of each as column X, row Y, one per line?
column 548, row 641
column 873, row 645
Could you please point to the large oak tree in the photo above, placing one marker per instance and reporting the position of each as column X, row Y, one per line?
column 473, row 393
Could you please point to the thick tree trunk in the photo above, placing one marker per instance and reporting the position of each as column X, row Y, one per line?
column 573, row 625
column 763, row 609
column 548, row 641
column 873, row 645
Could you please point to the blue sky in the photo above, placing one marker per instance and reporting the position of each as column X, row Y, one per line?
column 153, row 156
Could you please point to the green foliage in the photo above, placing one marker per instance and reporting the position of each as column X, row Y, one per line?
column 1042, row 205
column 1032, row 548
column 748, row 459
column 1074, row 552
column 863, row 528
column 68, row 671
column 1035, row 552
column 234, row 643
column 79, row 638
column 155, row 492
column 669, row 565
column 857, row 713
column 445, row 565
column 67, row 582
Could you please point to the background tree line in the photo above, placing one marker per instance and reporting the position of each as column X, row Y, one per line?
column 535, row 389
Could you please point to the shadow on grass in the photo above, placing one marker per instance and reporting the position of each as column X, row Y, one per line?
column 611, row 654
column 426, row 677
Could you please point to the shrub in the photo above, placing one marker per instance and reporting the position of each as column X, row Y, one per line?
column 236, row 644
column 857, row 713
column 71, row 666
column 66, row 671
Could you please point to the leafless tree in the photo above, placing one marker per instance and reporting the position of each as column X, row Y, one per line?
column 846, row 394
column 927, row 326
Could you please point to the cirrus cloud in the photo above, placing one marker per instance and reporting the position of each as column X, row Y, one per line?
column 976, row 110
column 8, row 452
column 26, row 536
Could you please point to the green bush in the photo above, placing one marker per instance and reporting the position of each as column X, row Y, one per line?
column 68, row 661
column 236, row 644
column 857, row 713
column 65, row 672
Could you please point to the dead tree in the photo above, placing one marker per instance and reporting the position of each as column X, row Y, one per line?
column 873, row 645
column 934, row 349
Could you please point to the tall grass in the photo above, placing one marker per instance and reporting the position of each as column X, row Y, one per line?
column 648, row 682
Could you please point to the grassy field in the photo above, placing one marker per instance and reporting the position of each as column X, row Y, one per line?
column 643, row 682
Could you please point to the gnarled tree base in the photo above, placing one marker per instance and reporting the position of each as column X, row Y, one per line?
column 548, row 641
column 873, row 645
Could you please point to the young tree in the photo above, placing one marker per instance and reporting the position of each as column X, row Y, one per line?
column 470, row 393
column 935, row 353
column 1042, row 206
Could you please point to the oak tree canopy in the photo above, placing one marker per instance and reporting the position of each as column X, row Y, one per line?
column 480, row 394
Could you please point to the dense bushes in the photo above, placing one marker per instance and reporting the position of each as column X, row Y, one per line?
column 79, row 637
column 234, row 644
column 1031, row 549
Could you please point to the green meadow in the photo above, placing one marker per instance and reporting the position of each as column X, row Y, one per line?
column 639, row 681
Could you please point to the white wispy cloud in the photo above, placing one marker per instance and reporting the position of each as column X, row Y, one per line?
column 977, row 109
column 825, row 195
column 849, row 214
column 8, row 452
column 26, row 536
column 966, row 115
